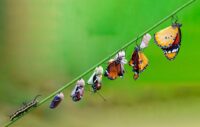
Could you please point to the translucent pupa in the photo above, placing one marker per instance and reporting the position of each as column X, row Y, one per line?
column 145, row 41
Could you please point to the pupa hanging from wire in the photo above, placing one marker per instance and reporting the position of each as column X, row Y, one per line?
column 116, row 66
column 169, row 40
column 56, row 100
column 145, row 41
column 139, row 62
column 96, row 79
column 78, row 91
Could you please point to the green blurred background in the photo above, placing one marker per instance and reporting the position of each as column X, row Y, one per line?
column 46, row 43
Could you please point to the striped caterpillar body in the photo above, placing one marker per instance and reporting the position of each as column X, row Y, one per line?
column 26, row 107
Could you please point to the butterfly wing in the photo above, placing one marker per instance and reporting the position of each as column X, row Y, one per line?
column 169, row 39
column 143, row 61
column 90, row 81
column 112, row 70
column 120, row 69
column 165, row 38
column 139, row 62
column 134, row 62
column 173, row 50
column 134, row 58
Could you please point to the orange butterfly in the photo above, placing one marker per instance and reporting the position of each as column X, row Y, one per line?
column 139, row 62
column 169, row 39
column 116, row 66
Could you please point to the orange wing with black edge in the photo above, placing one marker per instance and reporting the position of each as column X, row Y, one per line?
column 143, row 61
column 165, row 38
column 173, row 50
column 169, row 39
column 120, row 69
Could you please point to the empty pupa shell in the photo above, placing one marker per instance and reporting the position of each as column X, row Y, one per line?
column 145, row 41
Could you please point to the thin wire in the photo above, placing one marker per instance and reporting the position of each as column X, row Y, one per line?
column 105, row 59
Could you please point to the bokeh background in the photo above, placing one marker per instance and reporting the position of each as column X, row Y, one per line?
column 46, row 43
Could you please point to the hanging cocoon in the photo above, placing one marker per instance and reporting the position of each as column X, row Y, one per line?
column 78, row 91
column 96, row 79
column 56, row 100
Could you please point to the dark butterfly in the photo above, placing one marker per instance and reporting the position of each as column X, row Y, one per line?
column 139, row 62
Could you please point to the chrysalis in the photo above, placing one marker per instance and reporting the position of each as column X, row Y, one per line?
column 169, row 40
column 139, row 62
column 78, row 91
column 145, row 41
column 96, row 79
column 116, row 66
column 57, row 100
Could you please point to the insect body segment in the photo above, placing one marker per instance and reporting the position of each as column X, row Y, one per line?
column 25, row 108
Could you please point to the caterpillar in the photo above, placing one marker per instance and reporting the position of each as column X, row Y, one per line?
column 26, row 107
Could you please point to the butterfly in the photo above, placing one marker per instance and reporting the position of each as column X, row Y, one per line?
column 116, row 66
column 57, row 100
column 96, row 79
column 169, row 39
column 139, row 62
column 78, row 91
